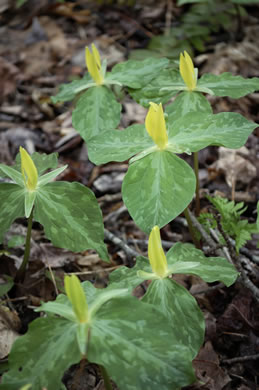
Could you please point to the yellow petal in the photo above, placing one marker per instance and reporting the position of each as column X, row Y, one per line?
column 93, row 64
column 187, row 71
column 29, row 170
column 77, row 297
column 155, row 125
column 156, row 254
column 96, row 55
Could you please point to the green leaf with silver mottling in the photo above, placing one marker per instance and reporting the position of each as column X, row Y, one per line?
column 227, row 84
column 69, row 91
column 179, row 307
column 43, row 180
column 210, row 269
column 195, row 131
column 119, row 145
column 181, row 311
column 42, row 355
column 187, row 102
column 71, row 217
column 29, row 202
column 12, row 205
column 153, row 92
column 96, row 111
column 12, row 173
column 124, row 277
column 163, row 184
column 135, row 354
column 137, row 74
column 61, row 306
column 42, row 161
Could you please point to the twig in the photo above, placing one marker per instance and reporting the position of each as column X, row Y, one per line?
column 95, row 271
column 165, row 244
column 240, row 359
column 206, row 237
column 191, row 228
column 210, row 251
column 120, row 243
column 236, row 259
column 114, row 215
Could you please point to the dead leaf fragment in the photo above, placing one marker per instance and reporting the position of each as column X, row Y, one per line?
column 234, row 165
column 208, row 370
column 9, row 324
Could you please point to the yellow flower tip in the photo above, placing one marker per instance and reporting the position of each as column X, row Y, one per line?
column 76, row 295
column 187, row 71
column 156, row 253
column 29, row 170
column 93, row 63
column 155, row 125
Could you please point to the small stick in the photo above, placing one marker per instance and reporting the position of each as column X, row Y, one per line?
column 236, row 259
column 121, row 244
column 240, row 359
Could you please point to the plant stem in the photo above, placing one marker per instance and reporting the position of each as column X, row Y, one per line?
column 196, row 170
column 21, row 271
column 191, row 228
column 107, row 382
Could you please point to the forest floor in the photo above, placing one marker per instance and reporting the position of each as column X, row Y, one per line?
column 42, row 44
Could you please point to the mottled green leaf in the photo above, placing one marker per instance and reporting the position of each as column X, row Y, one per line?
column 12, row 173
column 124, row 277
column 138, row 348
column 135, row 354
column 137, row 74
column 187, row 102
column 29, row 202
column 210, row 269
column 42, row 355
column 157, row 188
column 181, row 311
column 71, row 217
column 12, row 205
column 42, row 161
column 178, row 306
column 48, row 177
column 119, row 145
column 153, row 92
column 227, row 84
column 195, row 131
column 70, row 90
column 96, row 111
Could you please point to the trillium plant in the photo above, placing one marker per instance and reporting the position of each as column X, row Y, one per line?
column 146, row 343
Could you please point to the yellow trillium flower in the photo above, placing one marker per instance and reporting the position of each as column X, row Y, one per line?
column 76, row 295
column 155, row 125
column 156, row 254
column 187, row 71
column 29, row 170
column 93, row 63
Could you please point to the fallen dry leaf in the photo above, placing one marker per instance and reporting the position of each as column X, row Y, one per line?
column 234, row 165
column 9, row 324
column 208, row 370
